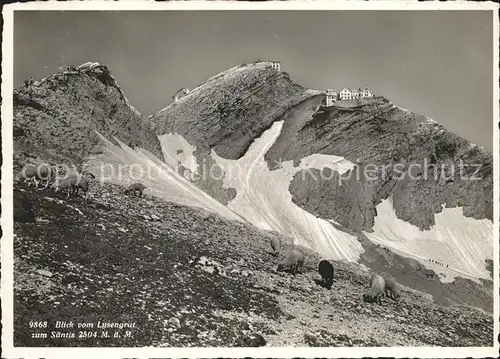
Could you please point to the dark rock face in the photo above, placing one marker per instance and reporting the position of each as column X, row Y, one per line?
column 252, row 340
column 226, row 114
column 58, row 116
column 413, row 274
column 23, row 208
column 387, row 144
column 211, row 177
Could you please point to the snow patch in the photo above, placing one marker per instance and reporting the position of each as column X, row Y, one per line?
column 122, row 165
column 334, row 222
column 89, row 65
column 176, row 149
column 460, row 242
column 310, row 92
column 320, row 161
column 263, row 197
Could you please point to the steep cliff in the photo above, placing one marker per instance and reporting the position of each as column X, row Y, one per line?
column 225, row 114
column 397, row 153
column 413, row 187
column 57, row 117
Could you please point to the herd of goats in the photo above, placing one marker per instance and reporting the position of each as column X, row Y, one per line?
column 380, row 285
column 72, row 183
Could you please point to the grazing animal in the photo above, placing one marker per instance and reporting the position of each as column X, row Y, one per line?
column 66, row 184
column 325, row 268
column 276, row 245
column 252, row 340
column 73, row 183
column 88, row 174
column 377, row 289
column 37, row 174
column 293, row 261
column 135, row 187
column 392, row 287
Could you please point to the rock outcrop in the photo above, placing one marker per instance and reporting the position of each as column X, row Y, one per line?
column 57, row 117
column 194, row 279
column 386, row 143
column 226, row 113
column 23, row 207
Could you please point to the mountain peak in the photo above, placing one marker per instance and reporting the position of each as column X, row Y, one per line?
column 265, row 154
column 77, row 102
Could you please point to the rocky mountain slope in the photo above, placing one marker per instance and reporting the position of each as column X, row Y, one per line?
column 187, row 277
column 380, row 135
column 414, row 186
column 245, row 146
column 225, row 114
column 59, row 117
column 303, row 171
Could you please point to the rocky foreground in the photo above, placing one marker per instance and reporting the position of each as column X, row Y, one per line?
column 189, row 278
column 379, row 135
